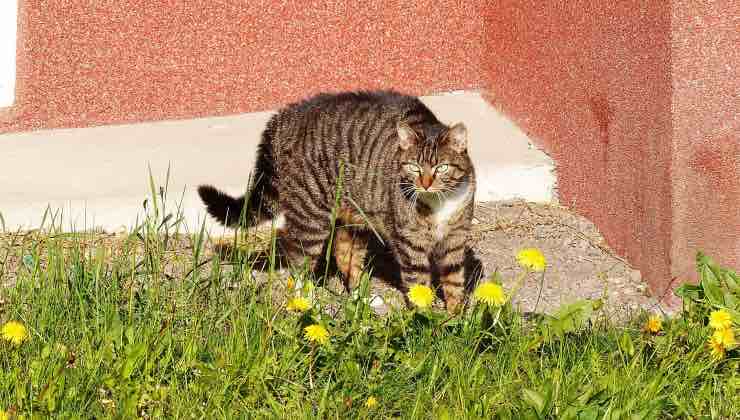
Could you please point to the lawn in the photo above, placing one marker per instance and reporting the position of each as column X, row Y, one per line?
column 152, row 323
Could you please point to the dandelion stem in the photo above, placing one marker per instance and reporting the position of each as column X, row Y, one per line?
column 519, row 283
column 441, row 324
column 310, row 367
column 539, row 293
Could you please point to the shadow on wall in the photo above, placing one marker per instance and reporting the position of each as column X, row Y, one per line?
column 711, row 208
column 591, row 82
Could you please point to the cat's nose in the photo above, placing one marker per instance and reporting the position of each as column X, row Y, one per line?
column 426, row 181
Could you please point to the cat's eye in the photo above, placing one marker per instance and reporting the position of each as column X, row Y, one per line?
column 410, row 167
column 441, row 169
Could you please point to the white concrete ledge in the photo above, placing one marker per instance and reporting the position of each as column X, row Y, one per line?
column 98, row 176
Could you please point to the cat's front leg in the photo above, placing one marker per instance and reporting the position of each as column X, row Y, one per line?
column 415, row 268
column 450, row 262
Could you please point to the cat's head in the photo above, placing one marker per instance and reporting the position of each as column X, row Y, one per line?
column 433, row 157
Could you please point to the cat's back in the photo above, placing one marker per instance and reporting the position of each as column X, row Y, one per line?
column 312, row 137
column 351, row 106
column 331, row 101
column 338, row 120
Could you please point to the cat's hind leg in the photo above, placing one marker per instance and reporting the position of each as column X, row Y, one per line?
column 301, row 242
column 306, row 215
column 350, row 249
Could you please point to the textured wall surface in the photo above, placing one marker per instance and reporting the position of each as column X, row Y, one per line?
column 706, row 121
column 8, row 26
column 92, row 62
column 591, row 81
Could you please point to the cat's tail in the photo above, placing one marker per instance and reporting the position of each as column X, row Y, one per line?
column 260, row 203
column 223, row 207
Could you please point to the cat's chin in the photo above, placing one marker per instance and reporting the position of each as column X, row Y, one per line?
column 445, row 203
column 431, row 199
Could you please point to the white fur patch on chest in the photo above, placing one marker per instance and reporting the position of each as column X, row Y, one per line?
column 444, row 209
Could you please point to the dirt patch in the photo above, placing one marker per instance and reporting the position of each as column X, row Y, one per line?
column 579, row 262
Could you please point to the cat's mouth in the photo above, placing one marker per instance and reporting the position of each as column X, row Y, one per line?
column 430, row 198
column 442, row 190
column 435, row 197
column 427, row 190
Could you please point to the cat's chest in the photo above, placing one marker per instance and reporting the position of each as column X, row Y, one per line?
column 444, row 212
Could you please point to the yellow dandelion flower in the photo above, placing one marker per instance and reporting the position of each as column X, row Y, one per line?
column 718, row 350
column 4, row 415
column 15, row 332
column 720, row 320
column 421, row 296
column 531, row 259
column 490, row 294
column 654, row 324
column 725, row 336
column 316, row 333
column 290, row 284
column 371, row 402
column 299, row 304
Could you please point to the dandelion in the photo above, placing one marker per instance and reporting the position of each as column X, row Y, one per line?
column 299, row 304
column 725, row 336
column 290, row 284
column 531, row 259
column 371, row 402
column 316, row 333
column 720, row 320
column 717, row 349
column 654, row 324
column 490, row 293
column 421, row 295
column 15, row 332
column 4, row 415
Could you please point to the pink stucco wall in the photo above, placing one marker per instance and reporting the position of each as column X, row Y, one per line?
column 91, row 62
column 706, row 132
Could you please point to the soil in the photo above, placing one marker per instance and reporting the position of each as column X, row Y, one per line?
column 579, row 262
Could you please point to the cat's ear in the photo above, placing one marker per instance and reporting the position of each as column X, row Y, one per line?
column 457, row 136
column 406, row 135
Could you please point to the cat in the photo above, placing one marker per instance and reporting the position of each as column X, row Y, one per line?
column 405, row 176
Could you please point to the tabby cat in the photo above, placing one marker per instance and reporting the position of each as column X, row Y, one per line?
column 404, row 175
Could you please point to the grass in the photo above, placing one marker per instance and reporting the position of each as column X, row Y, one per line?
column 125, row 327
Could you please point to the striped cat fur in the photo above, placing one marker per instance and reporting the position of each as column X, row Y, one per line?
column 402, row 174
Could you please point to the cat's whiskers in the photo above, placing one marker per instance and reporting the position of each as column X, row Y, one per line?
column 411, row 192
column 407, row 189
column 412, row 197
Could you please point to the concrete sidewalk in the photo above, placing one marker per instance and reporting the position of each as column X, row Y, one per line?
column 98, row 177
